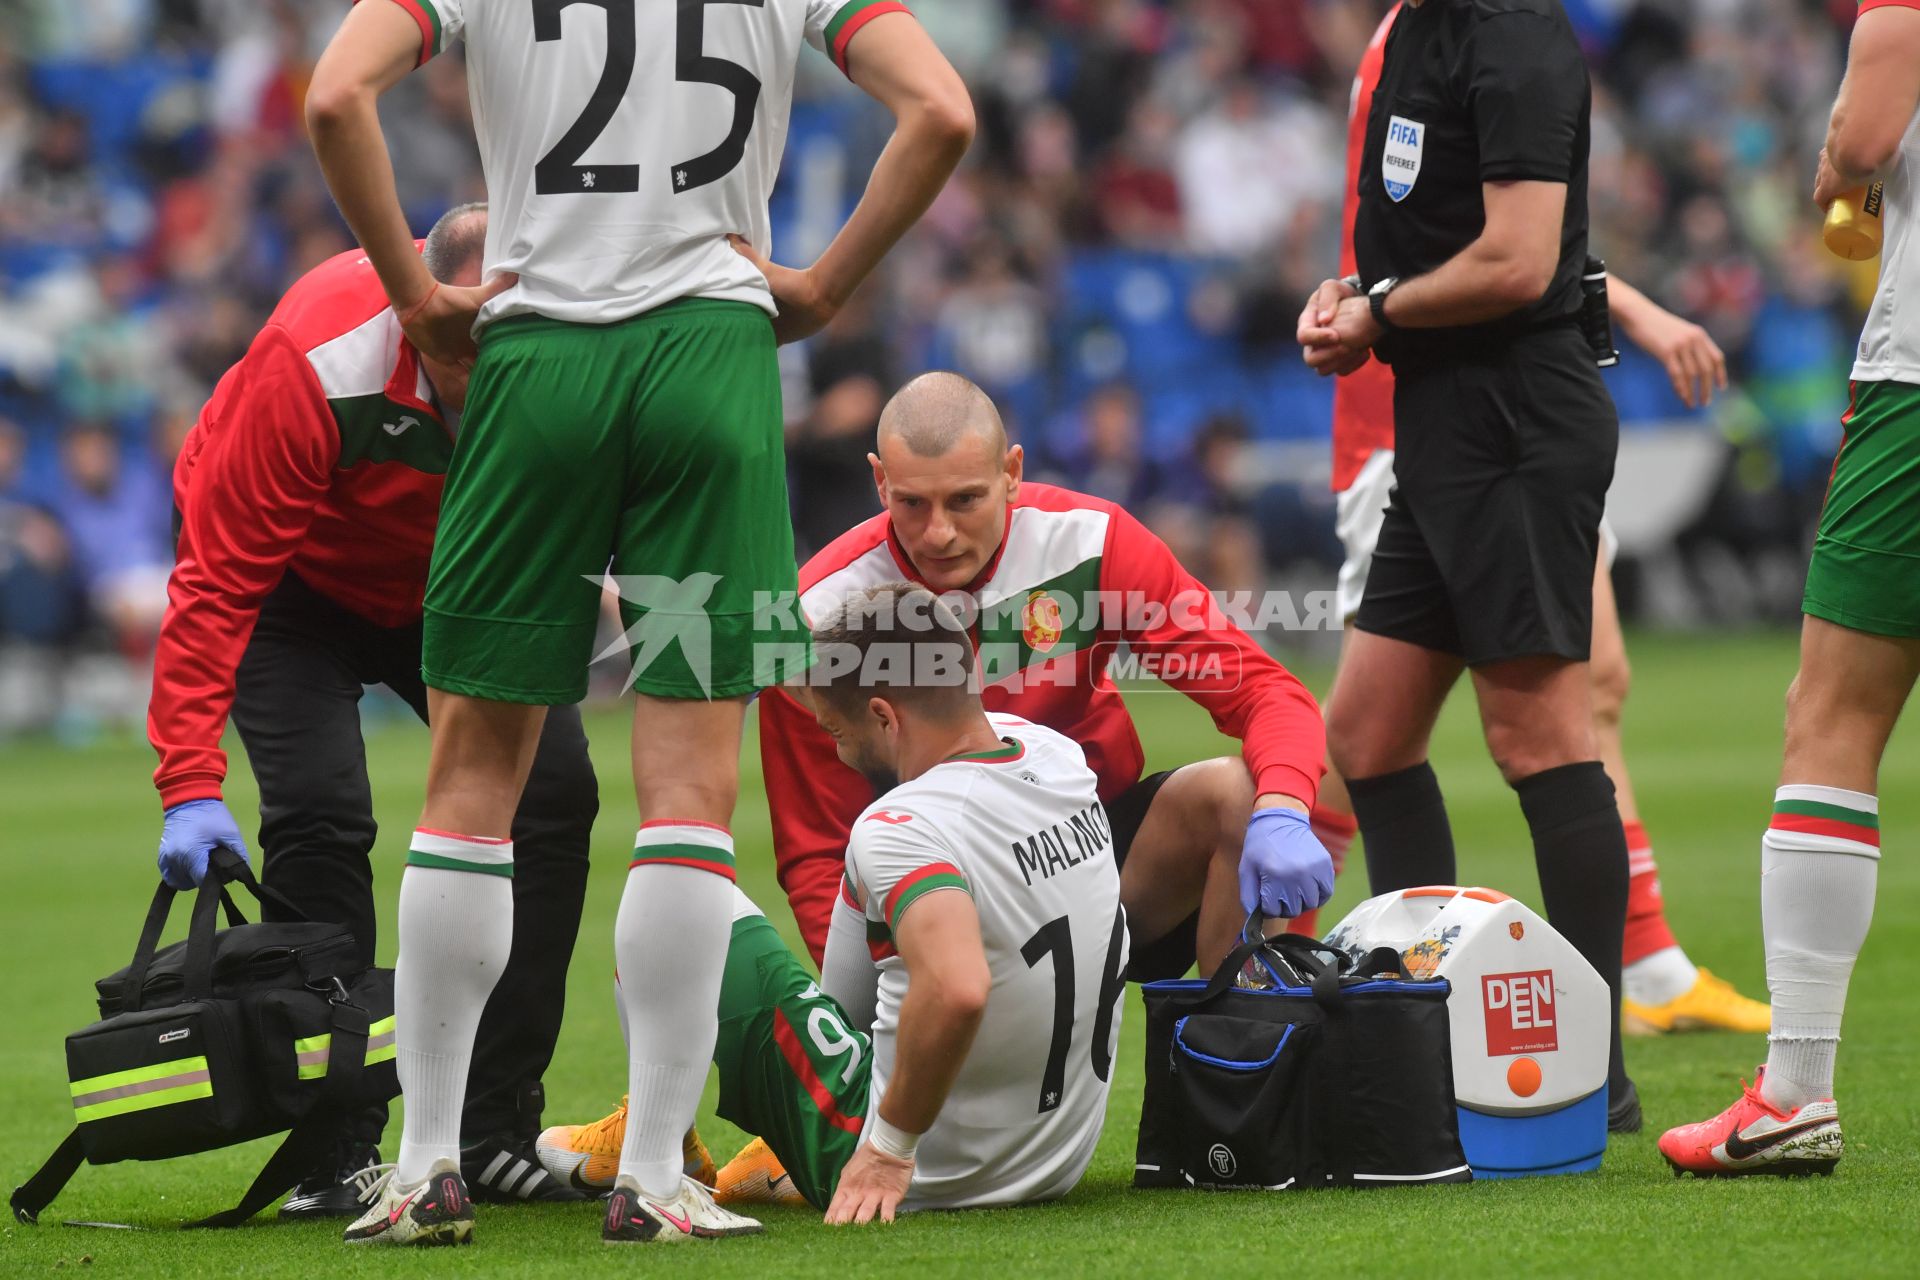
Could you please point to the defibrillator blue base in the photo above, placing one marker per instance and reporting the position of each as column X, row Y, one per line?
column 1569, row 1140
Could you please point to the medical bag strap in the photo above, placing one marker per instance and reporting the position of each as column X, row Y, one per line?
column 1328, row 992
column 233, row 869
column 314, row 1134
column 1304, row 953
column 37, row 1192
column 202, row 925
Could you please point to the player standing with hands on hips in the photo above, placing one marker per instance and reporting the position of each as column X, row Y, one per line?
column 624, row 406
column 1859, row 651
column 1471, row 241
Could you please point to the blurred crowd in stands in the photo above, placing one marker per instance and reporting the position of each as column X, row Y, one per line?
column 1155, row 187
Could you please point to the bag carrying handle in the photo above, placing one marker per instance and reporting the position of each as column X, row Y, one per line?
column 223, row 868
column 1314, row 958
column 1324, row 965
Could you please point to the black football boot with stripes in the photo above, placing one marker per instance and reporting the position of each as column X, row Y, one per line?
column 332, row 1189
column 503, row 1169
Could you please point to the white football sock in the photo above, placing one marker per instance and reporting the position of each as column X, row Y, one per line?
column 1665, row 975
column 670, row 945
column 456, row 931
column 1818, row 864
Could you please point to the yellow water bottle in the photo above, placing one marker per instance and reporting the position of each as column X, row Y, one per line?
column 1853, row 226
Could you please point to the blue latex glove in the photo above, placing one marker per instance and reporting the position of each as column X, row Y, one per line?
column 188, row 837
column 1284, row 869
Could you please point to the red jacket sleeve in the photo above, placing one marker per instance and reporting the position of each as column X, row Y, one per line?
column 246, row 498
column 814, row 800
column 1245, row 689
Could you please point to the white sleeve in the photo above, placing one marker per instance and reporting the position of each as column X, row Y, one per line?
column 847, row 971
column 894, row 857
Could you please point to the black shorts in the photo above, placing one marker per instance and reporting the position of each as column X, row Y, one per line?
column 1501, row 468
column 1171, row 954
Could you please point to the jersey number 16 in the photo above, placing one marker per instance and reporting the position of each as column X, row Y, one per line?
column 1055, row 940
column 559, row 171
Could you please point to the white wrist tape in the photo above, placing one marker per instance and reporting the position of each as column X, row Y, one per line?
column 889, row 1141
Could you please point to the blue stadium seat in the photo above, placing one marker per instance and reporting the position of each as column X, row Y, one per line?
column 113, row 96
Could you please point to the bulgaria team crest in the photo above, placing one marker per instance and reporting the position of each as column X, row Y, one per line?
column 1400, row 159
column 1040, row 624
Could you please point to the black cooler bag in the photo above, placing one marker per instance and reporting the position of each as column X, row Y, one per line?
column 1335, row 1074
column 230, row 1035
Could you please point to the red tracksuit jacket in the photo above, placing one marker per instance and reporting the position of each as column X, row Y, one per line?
column 322, row 453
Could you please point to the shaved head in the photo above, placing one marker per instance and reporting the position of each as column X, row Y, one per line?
column 937, row 411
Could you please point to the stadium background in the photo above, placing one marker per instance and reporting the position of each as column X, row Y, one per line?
column 1120, row 262
column 1155, row 187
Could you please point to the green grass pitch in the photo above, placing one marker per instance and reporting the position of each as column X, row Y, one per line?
column 1703, row 733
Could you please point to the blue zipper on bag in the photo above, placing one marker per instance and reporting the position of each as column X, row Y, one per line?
column 1229, row 1063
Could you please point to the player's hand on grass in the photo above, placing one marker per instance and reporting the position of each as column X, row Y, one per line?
column 871, row 1186
column 804, row 306
column 1284, row 869
column 190, row 833
column 440, row 323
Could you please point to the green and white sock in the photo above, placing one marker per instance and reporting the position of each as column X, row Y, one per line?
column 1819, row 862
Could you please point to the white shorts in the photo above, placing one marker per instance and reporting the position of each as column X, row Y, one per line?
column 1358, row 511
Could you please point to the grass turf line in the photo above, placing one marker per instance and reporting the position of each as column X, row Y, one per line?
column 1703, row 732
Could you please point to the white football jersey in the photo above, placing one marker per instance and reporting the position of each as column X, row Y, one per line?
column 1022, row 830
column 1890, row 340
column 623, row 140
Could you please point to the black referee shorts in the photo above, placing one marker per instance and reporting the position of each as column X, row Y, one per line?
column 1501, row 467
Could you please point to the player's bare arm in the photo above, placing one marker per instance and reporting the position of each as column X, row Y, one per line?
column 1508, row 267
column 373, row 51
column 1693, row 360
column 947, row 985
column 1876, row 101
column 894, row 60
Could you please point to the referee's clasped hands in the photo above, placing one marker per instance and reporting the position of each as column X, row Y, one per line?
column 1284, row 869
column 1336, row 331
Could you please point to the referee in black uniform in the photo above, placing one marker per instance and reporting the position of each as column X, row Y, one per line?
column 1471, row 242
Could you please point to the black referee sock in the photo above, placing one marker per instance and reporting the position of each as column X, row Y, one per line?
column 1403, row 828
column 1580, row 849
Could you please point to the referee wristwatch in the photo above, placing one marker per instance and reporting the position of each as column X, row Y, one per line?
column 1377, row 303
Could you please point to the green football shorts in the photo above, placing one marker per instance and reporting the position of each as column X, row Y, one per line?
column 1866, row 555
column 653, row 444
column 792, row 1071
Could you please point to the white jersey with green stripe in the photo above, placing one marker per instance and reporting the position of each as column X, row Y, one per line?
column 1021, row 829
column 623, row 141
column 1890, row 340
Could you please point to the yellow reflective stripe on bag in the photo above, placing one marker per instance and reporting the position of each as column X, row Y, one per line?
column 311, row 1053
column 140, row 1088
